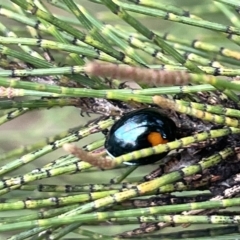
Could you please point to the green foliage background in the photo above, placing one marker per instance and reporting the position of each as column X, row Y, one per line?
column 39, row 124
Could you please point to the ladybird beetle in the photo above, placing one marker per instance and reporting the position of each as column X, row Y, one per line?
column 137, row 130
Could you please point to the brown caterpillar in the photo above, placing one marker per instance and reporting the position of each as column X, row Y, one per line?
column 164, row 102
column 93, row 159
column 152, row 77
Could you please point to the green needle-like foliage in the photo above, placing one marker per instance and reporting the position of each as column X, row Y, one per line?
column 69, row 69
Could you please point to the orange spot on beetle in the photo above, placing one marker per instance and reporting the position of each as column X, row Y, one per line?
column 156, row 138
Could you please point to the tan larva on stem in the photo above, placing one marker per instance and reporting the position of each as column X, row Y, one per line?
column 93, row 159
column 164, row 102
column 152, row 77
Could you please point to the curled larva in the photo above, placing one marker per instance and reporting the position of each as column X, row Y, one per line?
column 95, row 160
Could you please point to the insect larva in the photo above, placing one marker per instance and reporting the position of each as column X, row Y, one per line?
column 152, row 77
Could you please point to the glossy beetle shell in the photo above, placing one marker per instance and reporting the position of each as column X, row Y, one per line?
column 132, row 132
